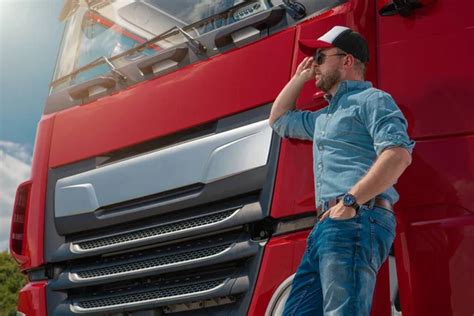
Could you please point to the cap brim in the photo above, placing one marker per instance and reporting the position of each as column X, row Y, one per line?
column 314, row 44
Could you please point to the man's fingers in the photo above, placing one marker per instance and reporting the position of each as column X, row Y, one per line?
column 325, row 214
column 306, row 63
column 302, row 65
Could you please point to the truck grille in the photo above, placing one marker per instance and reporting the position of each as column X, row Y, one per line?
column 153, row 263
column 174, row 260
column 163, row 242
column 155, row 231
column 121, row 300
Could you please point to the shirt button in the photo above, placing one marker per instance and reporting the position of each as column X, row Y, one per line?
column 322, row 133
column 320, row 165
column 321, row 147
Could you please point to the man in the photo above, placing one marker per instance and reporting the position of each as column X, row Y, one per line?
column 360, row 149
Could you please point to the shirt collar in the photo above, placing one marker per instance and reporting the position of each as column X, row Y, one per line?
column 346, row 86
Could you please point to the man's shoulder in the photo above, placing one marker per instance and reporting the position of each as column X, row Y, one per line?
column 372, row 96
column 372, row 92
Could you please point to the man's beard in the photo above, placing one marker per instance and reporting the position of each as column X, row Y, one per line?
column 326, row 82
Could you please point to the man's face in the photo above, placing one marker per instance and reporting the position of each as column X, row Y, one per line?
column 329, row 73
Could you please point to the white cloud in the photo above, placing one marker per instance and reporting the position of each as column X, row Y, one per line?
column 15, row 167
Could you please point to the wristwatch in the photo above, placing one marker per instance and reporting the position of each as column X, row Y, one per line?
column 350, row 201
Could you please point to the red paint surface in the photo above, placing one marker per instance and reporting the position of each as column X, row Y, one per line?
column 435, row 240
column 34, row 221
column 281, row 259
column 190, row 96
column 425, row 63
column 32, row 299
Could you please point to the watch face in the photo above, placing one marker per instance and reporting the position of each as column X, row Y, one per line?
column 348, row 200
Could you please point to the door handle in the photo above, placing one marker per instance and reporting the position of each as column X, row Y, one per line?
column 403, row 7
column 242, row 33
column 91, row 87
column 165, row 61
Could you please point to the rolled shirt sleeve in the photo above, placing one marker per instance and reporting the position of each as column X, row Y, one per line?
column 385, row 123
column 296, row 124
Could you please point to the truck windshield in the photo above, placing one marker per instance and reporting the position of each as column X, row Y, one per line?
column 105, row 28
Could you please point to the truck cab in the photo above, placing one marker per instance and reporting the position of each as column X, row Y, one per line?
column 158, row 186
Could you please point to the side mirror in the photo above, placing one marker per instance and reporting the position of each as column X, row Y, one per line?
column 402, row 7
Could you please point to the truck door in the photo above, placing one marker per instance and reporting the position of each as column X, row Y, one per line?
column 424, row 54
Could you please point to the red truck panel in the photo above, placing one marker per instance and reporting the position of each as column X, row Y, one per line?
column 190, row 96
column 436, row 229
column 32, row 299
column 424, row 62
column 34, row 221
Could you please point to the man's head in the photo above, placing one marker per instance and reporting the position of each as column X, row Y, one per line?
column 340, row 54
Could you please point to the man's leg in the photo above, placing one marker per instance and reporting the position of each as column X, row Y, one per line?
column 350, row 252
column 306, row 297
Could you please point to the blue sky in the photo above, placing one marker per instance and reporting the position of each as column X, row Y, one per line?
column 30, row 35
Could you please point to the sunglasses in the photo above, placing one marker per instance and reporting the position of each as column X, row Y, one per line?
column 320, row 58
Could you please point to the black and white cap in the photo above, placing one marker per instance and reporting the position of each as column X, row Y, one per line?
column 343, row 38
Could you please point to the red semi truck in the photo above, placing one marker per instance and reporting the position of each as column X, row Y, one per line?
column 158, row 186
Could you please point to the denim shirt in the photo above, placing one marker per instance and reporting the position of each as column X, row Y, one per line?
column 348, row 135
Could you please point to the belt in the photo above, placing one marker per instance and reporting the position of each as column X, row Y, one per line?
column 380, row 202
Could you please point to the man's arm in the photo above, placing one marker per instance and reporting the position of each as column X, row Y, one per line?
column 384, row 173
column 286, row 100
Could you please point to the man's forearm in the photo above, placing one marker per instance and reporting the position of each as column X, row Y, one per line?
column 286, row 100
column 384, row 173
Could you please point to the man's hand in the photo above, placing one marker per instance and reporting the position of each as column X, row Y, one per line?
column 286, row 100
column 339, row 211
column 306, row 70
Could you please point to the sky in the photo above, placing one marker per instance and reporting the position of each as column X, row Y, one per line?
column 30, row 34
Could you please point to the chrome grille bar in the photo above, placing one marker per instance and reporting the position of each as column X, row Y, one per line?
column 154, row 232
column 150, row 264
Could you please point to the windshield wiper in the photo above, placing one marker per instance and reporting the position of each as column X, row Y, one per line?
column 197, row 46
column 115, row 71
column 103, row 59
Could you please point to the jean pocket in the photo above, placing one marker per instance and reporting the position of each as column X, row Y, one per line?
column 344, row 219
column 384, row 219
column 382, row 235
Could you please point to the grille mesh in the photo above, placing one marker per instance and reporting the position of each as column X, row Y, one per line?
column 156, row 231
column 150, row 295
column 153, row 262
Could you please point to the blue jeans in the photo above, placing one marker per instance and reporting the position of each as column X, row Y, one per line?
column 338, row 270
